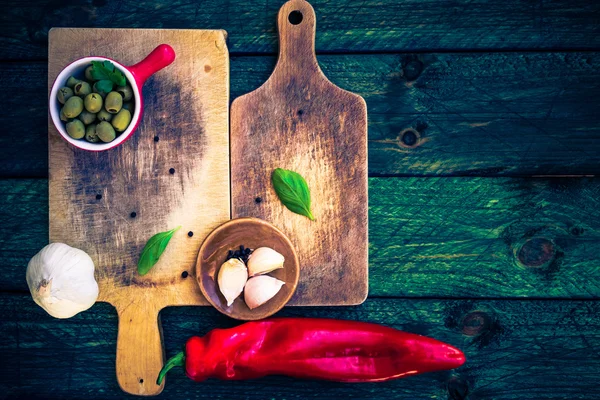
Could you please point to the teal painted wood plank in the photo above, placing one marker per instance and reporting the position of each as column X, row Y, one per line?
column 475, row 113
column 349, row 26
column 515, row 350
column 24, row 228
column 429, row 237
column 482, row 237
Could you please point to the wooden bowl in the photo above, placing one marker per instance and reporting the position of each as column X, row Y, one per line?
column 251, row 233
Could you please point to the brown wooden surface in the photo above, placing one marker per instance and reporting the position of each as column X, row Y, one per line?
column 181, row 179
column 299, row 120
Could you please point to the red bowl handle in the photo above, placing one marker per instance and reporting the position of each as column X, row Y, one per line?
column 160, row 57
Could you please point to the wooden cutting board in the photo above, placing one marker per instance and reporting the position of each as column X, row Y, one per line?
column 299, row 120
column 173, row 171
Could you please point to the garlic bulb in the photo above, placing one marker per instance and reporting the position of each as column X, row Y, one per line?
column 261, row 289
column 232, row 278
column 264, row 260
column 61, row 280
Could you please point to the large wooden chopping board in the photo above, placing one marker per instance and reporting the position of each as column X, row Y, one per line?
column 181, row 178
column 299, row 120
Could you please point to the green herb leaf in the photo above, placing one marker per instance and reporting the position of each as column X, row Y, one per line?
column 106, row 71
column 104, row 85
column 292, row 191
column 153, row 250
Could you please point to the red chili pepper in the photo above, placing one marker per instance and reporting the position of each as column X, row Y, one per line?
column 335, row 350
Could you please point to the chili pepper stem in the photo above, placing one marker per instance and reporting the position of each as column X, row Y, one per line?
column 177, row 360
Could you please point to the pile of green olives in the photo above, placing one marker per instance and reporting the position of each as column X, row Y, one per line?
column 94, row 115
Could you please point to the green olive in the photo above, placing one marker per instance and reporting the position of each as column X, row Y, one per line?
column 75, row 129
column 88, row 73
column 73, row 107
column 113, row 102
column 82, row 89
column 105, row 132
column 100, row 92
column 91, row 135
column 104, row 115
column 63, row 117
column 87, row 117
column 72, row 81
column 121, row 120
column 128, row 106
column 93, row 102
column 126, row 92
column 64, row 93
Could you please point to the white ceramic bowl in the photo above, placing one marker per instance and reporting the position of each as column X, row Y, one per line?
column 136, row 75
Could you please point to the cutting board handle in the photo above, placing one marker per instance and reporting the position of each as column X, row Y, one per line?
column 140, row 354
column 297, row 28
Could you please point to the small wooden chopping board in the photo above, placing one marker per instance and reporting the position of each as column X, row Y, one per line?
column 173, row 171
column 299, row 120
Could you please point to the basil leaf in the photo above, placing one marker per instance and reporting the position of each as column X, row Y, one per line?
column 107, row 71
column 118, row 78
column 99, row 71
column 104, row 85
column 153, row 250
column 292, row 190
column 108, row 65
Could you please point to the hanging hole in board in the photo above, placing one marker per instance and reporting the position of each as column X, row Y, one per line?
column 295, row 17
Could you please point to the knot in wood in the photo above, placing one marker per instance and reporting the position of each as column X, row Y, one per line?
column 409, row 138
column 475, row 323
column 458, row 388
column 576, row 231
column 412, row 70
column 536, row 252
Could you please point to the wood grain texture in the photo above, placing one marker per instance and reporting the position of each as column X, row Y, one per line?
column 509, row 113
column 298, row 120
column 478, row 237
column 475, row 113
column 527, row 349
column 429, row 237
column 110, row 203
column 353, row 25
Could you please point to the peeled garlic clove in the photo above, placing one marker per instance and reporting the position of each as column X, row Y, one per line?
column 264, row 260
column 232, row 278
column 261, row 289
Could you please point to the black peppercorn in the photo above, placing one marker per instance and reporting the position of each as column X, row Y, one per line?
column 242, row 253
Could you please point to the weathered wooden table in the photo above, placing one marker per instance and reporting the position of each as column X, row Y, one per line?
column 484, row 142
